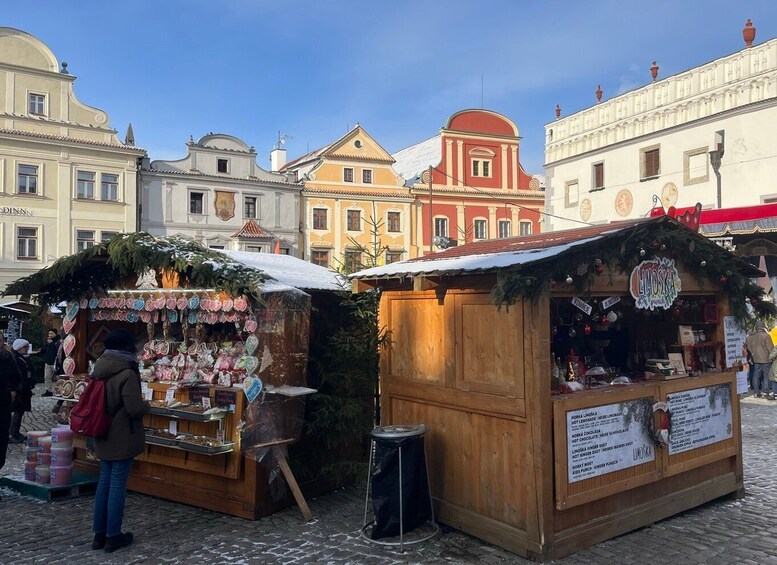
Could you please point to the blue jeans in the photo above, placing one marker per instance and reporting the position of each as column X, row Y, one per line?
column 761, row 378
column 109, row 498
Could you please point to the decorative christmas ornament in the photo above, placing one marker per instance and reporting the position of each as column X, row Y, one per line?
column 655, row 245
column 641, row 252
column 612, row 317
column 569, row 279
column 723, row 279
column 587, row 330
column 703, row 263
column 572, row 332
column 552, row 283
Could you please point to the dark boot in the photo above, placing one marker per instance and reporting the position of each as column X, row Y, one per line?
column 99, row 541
column 112, row 543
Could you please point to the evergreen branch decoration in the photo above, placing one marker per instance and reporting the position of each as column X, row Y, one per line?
column 107, row 264
column 621, row 252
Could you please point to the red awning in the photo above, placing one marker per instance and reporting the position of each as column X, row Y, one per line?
column 732, row 221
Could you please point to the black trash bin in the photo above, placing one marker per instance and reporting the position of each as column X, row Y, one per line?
column 399, row 481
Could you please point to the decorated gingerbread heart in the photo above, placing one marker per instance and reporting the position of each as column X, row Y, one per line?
column 170, row 303
column 68, row 324
column 182, row 303
column 251, row 364
column 252, row 342
column 241, row 304
column 250, row 326
column 69, row 344
column 71, row 310
column 68, row 366
column 252, row 388
column 227, row 305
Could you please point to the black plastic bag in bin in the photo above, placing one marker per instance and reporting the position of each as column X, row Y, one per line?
column 416, row 502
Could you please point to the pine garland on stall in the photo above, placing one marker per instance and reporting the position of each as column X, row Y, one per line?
column 105, row 265
column 702, row 257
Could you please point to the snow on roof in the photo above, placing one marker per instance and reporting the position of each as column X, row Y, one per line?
column 469, row 263
column 288, row 270
column 494, row 254
column 414, row 159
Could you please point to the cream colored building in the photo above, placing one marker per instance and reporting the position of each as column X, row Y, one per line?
column 658, row 144
column 66, row 181
column 218, row 195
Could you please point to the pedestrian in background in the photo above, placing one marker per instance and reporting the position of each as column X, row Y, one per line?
column 9, row 381
column 22, row 395
column 50, row 359
column 118, row 367
column 759, row 344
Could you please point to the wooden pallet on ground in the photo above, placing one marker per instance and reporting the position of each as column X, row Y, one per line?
column 80, row 485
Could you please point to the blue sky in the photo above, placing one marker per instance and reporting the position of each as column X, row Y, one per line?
column 313, row 69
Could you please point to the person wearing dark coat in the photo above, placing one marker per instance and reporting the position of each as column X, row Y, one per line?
column 50, row 358
column 118, row 367
column 9, row 381
column 21, row 396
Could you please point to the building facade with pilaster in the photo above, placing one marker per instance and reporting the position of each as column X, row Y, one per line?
column 477, row 188
column 218, row 195
column 703, row 135
column 66, row 181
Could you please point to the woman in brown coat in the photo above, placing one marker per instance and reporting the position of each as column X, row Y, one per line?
column 118, row 367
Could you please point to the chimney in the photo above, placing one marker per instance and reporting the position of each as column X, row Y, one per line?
column 277, row 158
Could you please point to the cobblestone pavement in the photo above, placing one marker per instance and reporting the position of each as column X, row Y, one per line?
column 727, row 531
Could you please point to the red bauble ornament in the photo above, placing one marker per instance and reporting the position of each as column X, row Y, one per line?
column 655, row 245
column 587, row 330
column 552, row 283
column 599, row 269
column 723, row 279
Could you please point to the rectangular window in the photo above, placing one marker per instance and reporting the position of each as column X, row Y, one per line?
column 481, row 229
column 84, row 239
column 354, row 220
column 110, row 187
column 525, row 228
column 650, row 160
column 393, row 256
column 352, row 261
column 367, row 176
column 319, row 218
column 26, row 243
column 571, row 193
column 28, row 179
column 481, row 168
column 107, row 235
column 85, row 185
column 320, row 257
column 215, row 247
column 347, row 174
column 441, row 227
column 249, row 210
column 394, row 222
column 695, row 166
column 598, row 175
column 37, row 104
column 254, row 248
column 505, row 229
column 222, row 165
column 284, row 250
column 196, row 202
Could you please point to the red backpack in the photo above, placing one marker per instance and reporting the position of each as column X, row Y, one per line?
column 90, row 416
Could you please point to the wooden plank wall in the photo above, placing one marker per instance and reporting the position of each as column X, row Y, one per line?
column 461, row 366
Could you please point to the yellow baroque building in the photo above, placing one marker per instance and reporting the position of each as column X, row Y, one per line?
column 355, row 209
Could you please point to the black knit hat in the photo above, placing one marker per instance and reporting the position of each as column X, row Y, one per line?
column 121, row 340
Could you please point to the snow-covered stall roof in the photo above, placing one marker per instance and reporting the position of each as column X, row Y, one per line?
column 290, row 271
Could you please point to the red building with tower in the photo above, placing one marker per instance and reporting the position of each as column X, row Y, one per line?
column 477, row 190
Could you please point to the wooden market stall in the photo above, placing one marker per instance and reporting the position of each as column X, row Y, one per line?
column 214, row 330
column 481, row 335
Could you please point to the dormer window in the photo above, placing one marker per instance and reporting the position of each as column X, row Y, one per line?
column 223, row 165
column 37, row 104
column 481, row 159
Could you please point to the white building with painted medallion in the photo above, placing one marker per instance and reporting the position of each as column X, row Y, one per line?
column 704, row 135
column 218, row 195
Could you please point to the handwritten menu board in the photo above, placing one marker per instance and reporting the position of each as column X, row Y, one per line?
column 196, row 394
column 603, row 439
column 226, row 399
column 700, row 417
column 734, row 337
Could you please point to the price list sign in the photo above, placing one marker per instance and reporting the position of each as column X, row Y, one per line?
column 700, row 417
column 603, row 439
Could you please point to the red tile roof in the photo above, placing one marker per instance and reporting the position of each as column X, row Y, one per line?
column 133, row 148
column 252, row 230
